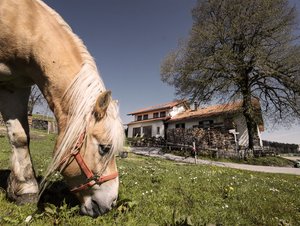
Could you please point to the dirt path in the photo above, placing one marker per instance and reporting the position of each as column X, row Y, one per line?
column 155, row 152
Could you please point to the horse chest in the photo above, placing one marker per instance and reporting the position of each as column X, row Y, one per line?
column 12, row 78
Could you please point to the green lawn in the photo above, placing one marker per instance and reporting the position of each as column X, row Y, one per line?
column 159, row 192
column 262, row 161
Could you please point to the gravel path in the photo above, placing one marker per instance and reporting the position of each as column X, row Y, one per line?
column 156, row 152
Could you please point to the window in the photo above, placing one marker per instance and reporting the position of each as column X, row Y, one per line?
column 229, row 123
column 136, row 132
column 206, row 124
column 180, row 125
column 201, row 124
column 210, row 123
column 155, row 115
column 139, row 118
column 162, row 114
column 145, row 117
column 147, row 131
column 158, row 130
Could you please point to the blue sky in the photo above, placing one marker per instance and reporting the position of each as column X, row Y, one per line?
column 129, row 39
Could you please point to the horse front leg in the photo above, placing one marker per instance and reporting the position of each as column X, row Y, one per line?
column 22, row 185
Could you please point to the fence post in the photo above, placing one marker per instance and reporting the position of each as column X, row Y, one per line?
column 48, row 127
column 195, row 153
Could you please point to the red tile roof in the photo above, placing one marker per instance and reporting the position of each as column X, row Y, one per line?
column 208, row 111
column 200, row 113
column 158, row 107
column 213, row 110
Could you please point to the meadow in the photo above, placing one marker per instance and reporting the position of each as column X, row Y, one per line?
column 159, row 192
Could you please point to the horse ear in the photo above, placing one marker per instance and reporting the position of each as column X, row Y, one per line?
column 102, row 104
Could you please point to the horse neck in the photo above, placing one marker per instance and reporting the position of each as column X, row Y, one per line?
column 55, row 79
column 59, row 58
column 48, row 53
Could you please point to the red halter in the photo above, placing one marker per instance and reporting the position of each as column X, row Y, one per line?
column 92, row 178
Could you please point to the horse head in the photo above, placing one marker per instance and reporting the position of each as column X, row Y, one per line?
column 92, row 173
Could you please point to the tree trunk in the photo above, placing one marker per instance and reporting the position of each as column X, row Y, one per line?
column 248, row 113
column 251, row 129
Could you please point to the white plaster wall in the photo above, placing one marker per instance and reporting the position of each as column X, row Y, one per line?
column 259, row 135
column 241, row 127
column 130, row 131
column 243, row 137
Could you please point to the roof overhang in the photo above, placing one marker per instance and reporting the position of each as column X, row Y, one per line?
column 148, row 120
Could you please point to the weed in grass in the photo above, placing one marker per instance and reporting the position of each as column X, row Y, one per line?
column 179, row 220
column 57, row 215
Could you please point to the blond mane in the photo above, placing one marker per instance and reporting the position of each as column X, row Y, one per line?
column 81, row 96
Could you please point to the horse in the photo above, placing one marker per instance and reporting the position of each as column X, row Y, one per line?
column 38, row 47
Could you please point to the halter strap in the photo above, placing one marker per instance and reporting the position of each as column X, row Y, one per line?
column 92, row 178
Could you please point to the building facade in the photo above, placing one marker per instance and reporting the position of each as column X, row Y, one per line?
column 150, row 122
column 154, row 121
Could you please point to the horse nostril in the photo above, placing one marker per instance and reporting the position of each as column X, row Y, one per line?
column 100, row 210
column 97, row 211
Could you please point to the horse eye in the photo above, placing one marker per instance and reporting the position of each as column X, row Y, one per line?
column 103, row 149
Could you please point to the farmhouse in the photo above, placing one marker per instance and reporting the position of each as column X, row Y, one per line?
column 151, row 121
column 156, row 120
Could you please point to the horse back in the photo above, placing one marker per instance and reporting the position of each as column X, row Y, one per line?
column 33, row 44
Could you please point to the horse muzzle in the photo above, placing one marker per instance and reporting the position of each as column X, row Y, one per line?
column 101, row 198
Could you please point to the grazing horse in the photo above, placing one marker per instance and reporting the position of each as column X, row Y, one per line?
column 38, row 47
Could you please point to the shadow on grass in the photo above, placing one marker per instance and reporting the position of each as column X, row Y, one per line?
column 56, row 193
column 4, row 174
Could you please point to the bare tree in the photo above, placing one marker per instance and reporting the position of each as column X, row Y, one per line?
column 36, row 98
column 240, row 49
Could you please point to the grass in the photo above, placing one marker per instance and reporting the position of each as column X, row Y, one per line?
column 159, row 192
column 262, row 161
column 268, row 161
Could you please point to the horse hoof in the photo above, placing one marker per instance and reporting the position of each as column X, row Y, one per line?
column 24, row 198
